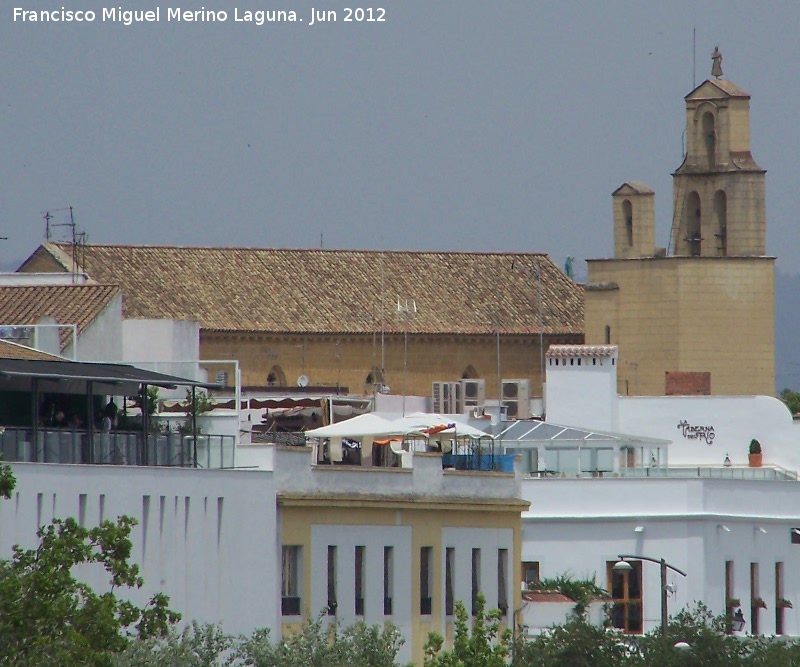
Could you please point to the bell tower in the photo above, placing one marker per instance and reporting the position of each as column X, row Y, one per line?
column 719, row 190
column 706, row 308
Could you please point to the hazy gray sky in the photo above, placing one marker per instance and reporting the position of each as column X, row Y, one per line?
column 452, row 125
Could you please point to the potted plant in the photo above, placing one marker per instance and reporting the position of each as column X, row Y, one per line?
column 784, row 603
column 758, row 603
column 755, row 454
column 733, row 603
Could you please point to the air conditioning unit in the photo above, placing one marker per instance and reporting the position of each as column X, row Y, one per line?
column 474, row 393
column 447, row 398
column 517, row 398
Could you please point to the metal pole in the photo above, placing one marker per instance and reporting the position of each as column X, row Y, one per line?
column 499, row 393
column 405, row 364
column 541, row 329
column 194, row 425
column 664, row 613
column 36, row 419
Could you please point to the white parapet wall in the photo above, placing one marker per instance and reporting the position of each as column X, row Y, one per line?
column 206, row 538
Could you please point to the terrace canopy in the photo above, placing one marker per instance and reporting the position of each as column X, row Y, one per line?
column 552, row 449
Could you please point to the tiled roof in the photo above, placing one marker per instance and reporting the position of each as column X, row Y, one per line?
column 727, row 87
column 68, row 304
column 334, row 291
column 10, row 350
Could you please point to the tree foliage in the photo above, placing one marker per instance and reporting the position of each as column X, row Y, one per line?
column 792, row 400
column 49, row 617
column 582, row 591
column 316, row 644
column 581, row 644
column 482, row 645
column 319, row 644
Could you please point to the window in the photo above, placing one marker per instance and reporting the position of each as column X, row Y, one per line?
column 476, row 578
column 425, row 580
column 291, row 564
column 627, row 214
column 449, row 581
column 502, row 580
column 332, row 580
column 709, row 139
column 721, row 222
column 608, row 334
column 626, row 591
column 388, row 579
column 530, row 572
column 359, row 580
column 694, row 226
column 755, row 600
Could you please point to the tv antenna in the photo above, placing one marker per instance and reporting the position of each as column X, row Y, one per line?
column 76, row 239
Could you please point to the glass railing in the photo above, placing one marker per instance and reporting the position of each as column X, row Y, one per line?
column 740, row 473
column 768, row 474
column 116, row 448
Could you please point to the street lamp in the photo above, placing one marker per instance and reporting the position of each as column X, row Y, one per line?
column 737, row 622
column 624, row 566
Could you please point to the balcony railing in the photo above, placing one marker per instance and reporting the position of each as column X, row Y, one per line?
column 116, row 447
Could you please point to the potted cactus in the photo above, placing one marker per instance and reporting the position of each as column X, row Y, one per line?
column 755, row 454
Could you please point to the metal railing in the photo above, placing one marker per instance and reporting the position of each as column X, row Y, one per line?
column 767, row 474
column 116, row 448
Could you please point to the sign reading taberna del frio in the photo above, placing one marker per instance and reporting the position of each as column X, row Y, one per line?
column 690, row 432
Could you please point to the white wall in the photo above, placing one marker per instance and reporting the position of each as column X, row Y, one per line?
column 102, row 339
column 207, row 538
column 19, row 279
column 163, row 345
column 373, row 538
column 295, row 473
column 588, row 388
column 585, row 396
column 735, row 419
column 576, row 526
column 489, row 541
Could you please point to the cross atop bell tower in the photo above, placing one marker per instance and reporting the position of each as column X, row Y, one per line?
column 719, row 190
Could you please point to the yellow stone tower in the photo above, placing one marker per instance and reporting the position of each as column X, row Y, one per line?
column 703, row 308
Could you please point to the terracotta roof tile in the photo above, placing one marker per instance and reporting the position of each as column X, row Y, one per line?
column 334, row 291
column 68, row 304
column 10, row 350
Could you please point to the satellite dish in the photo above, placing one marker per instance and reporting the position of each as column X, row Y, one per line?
column 302, row 381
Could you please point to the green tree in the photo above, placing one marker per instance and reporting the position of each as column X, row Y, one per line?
column 792, row 400
column 319, row 644
column 576, row 643
column 49, row 617
column 582, row 591
column 484, row 645
column 194, row 646
column 196, row 405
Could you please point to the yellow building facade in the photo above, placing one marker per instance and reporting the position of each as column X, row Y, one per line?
column 706, row 304
column 370, row 544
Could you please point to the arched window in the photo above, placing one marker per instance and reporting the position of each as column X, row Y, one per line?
column 627, row 215
column 709, row 139
column 374, row 376
column 276, row 377
column 721, row 222
column 694, row 217
column 470, row 373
